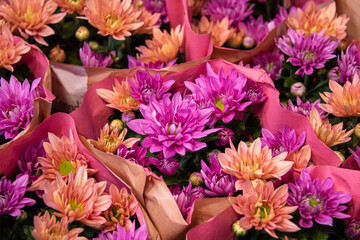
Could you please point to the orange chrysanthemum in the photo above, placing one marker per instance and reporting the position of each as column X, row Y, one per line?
column 11, row 52
column 150, row 21
column 62, row 156
column 220, row 30
column 120, row 97
column 71, row 6
column 122, row 207
column 300, row 158
column 328, row 134
column 112, row 17
column 343, row 101
column 78, row 198
column 264, row 208
column 163, row 47
column 46, row 227
column 236, row 38
column 30, row 18
column 110, row 140
column 311, row 20
column 254, row 163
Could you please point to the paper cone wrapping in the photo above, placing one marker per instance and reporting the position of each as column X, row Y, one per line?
column 351, row 9
column 39, row 66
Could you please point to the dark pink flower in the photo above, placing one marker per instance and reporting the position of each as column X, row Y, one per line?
column 136, row 154
column 353, row 229
column 167, row 166
column 271, row 62
column 157, row 6
column 225, row 136
column 121, row 234
column 92, row 59
column 304, row 108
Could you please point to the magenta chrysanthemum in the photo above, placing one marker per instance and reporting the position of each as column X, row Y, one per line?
column 285, row 140
column 307, row 53
column 271, row 62
column 146, row 86
column 225, row 136
column 353, row 229
column 133, row 62
column 236, row 10
column 348, row 65
column 254, row 93
column 317, row 200
column 12, row 196
column 256, row 28
column 186, row 197
column 304, row 108
column 172, row 125
column 16, row 105
column 157, row 6
column 121, row 234
column 136, row 154
column 92, row 59
column 167, row 166
column 217, row 182
column 223, row 92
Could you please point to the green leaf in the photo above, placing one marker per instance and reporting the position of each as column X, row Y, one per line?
column 69, row 29
column 288, row 82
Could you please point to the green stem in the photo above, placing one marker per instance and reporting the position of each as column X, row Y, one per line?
column 268, row 10
column 110, row 43
column 318, row 86
column 306, row 80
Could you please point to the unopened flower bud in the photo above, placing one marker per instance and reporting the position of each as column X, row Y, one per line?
column 195, row 179
column 57, row 54
column 357, row 130
column 340, row 156
column 238, row 230
column 94, row 45
column 248, row 143
column 82, row 33
column 225, row 136
column 127, row 116
column 298, row 89
column 248, row 42
column 117, row 123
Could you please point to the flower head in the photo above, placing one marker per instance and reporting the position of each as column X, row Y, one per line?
column 12, row 195
column 236, row 10
column 312, row 20
column 110, row 140
column 356, row 154
column 71, row 6
column 116, row 18
column 78, row 198
column 285, row 140
column 353, row 229
column 271, row 62
column 163, row 47
column 186, row 197
column 224, row 92
column 254, row 163
column 11, row 51
column 304, row 108
column 348, row 65
column 265, row 208
column 62, row 157
column 123, row 206
column 146, row 87
column 136, row 154
column 120, row 97
column 256, row 28
column 172, row 125
column 149, row 20
column 225, row 136
column 167, row 166
column 328, row 134
column 133, row 62
column 157, row 6
column 317, row 200
column 16, row 105
column 254, row 93
column 121, row 234
column 307, row 53
column 92, row 59
column 343, row 101
column 30, row 18
column 46, row 227
column 217, row 182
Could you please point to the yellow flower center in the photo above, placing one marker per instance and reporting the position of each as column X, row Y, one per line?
column 66, row 167
column 219, row 104
column 313, row 202
column 74, row 205
column 264, row 211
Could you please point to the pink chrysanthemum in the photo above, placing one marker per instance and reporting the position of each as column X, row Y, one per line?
column 92, row 59
column 121, row 234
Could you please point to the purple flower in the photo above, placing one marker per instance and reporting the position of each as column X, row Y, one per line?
column 254, row 93
column 285, row 140
column 225, row 136
column 348, row 65
column 29, row 164
column 133, row 62
column 304, row 108
column 16, row 105
column 157, row 6
column 127, row 116
column 271, row 62
column 224, row 93
column 168, row 166
column 256, row 28
column 218, row 182
column 353, row 229
column 145, row 86
column 135, row 154
column 12, row 196
column 121, row 234
column 317, row 200
column 186, row 197
column 307, row 52
column 356, row 154
column 92, row 59
column 172, row 125
column 236, row 10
